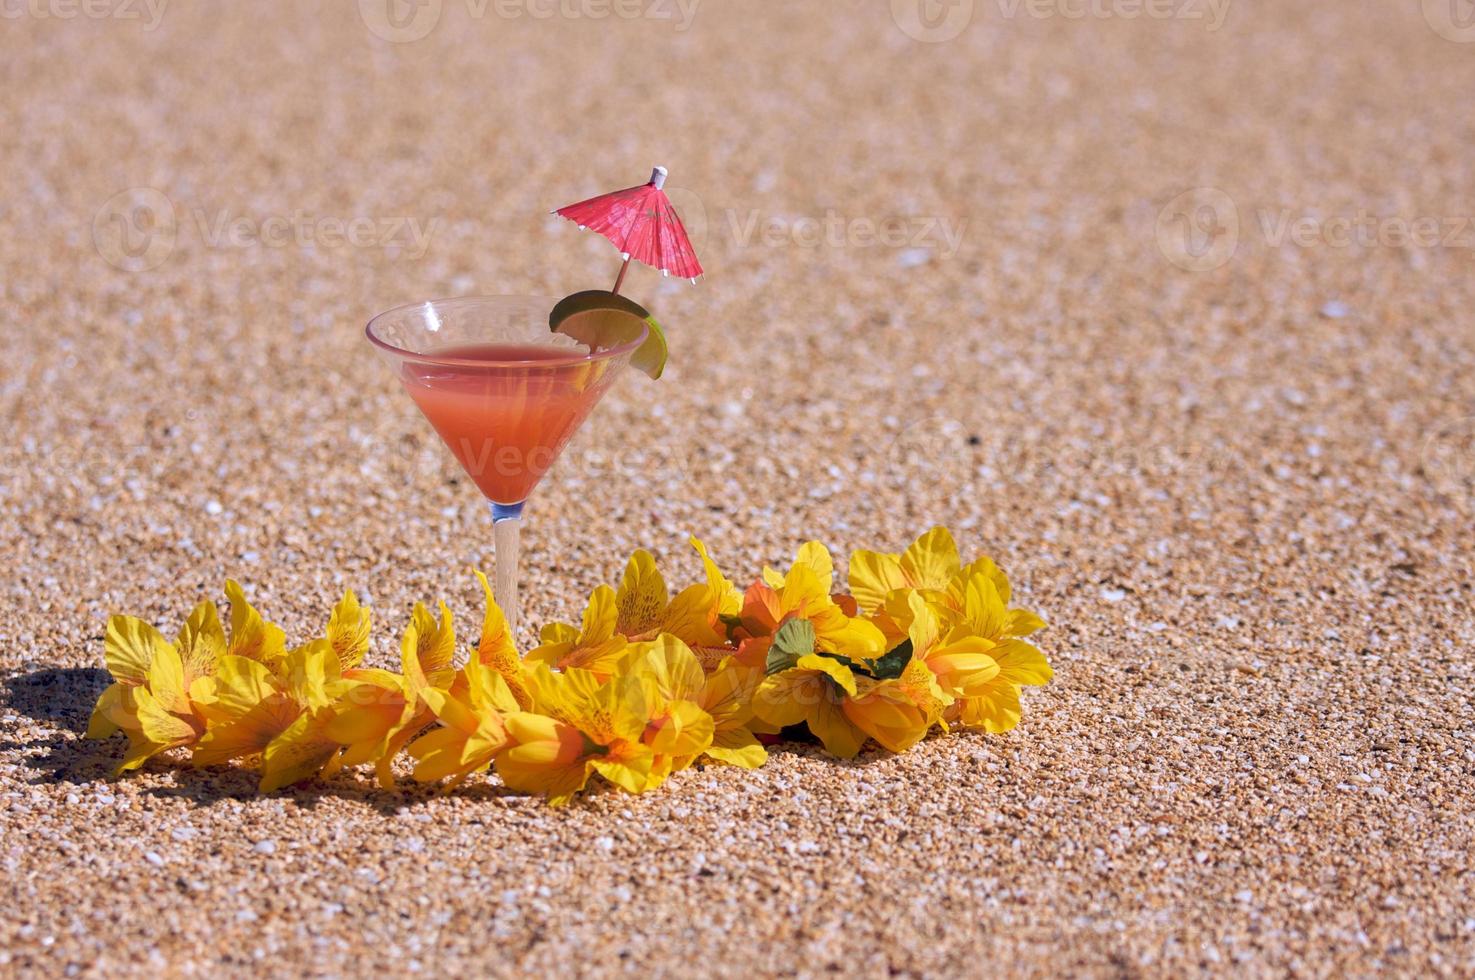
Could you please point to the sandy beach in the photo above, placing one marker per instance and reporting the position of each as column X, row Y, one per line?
column 1167, row 307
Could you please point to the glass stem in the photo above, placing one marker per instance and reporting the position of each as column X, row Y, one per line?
column 506, row 523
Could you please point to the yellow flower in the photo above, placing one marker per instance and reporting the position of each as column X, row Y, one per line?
column 727, row 696
column 883, row 583
column 897, row 712
column 962, row 663
column 280, row 713
column 496, row 649
column 812, row 691
column 348, row 631
column 251, row 636
column 158, row 686
column 473, row 730
column 383, row 711
column 640, row 610
column 546, row 755
column 993, row 704
column 596, row 647
column 929, row 563
column 583, row 726
column 804, row 593
column 816, row 557
column 723, row 602
column 677, row 727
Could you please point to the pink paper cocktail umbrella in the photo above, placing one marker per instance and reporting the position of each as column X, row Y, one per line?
column 643, row 225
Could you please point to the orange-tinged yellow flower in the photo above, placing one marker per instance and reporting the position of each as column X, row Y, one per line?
column 726, row 598
column 985, row 620
column 962, row 663
column 640, row 610
column 897, row 712
column 816, row 557
column 545, row 757
column 382, row 712
column 883, row 584
column 727, row 696
column 597, row 646
column 473, row 729
column 496, row 649
column 279, row 713
column 813, row 691
column 677, row 727
column 723, row 602
column 804, row 594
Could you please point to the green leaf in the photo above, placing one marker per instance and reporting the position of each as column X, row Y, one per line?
column 893, row 663
column 793, row 640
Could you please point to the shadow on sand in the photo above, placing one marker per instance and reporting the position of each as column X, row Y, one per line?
column 62, row 697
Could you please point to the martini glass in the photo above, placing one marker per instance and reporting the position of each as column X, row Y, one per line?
column 504, row 392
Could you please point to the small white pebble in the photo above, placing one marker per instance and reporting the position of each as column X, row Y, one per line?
column 214, row 508
column 154, row 859
column 1335, row 310
column 1113, row 595
column 265, row 847
column 912, row 257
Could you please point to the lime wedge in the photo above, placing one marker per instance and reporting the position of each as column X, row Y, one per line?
column 603, row 319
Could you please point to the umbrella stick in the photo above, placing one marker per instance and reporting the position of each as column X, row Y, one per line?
column 621, row 277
